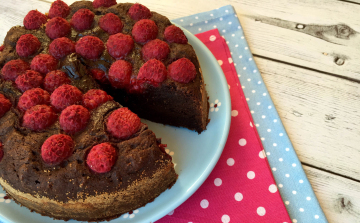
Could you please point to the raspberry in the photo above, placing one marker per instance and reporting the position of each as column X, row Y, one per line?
column 144, row 30
column 64, row 96
column 182, row 70
column 27, row 45
column 103, row 3
column 61, row 47
column 57, row 148
column 39, row 117
column 44, row 63
column 123, row 123
column 99, row 75
column 5, row 105
column 2, row 47
column 30, row 79
column 59, row 9
column 174, row 34
column 55, row 79
column 90, row 47
column 155, row 49
column 94, row 98
column 138, row 11
column 74, row 118
column 111, row 23
column 153, row 71
column 14, row 68
column 34, row 19
column 101, row 158
column 32, row 97
column 119, row 45
column 120, row 74
column 57, row 27
column 82, row 19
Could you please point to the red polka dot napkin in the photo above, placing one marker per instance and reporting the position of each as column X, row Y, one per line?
column 241, row 187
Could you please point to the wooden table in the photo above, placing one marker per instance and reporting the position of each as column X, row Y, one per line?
column 308, row 53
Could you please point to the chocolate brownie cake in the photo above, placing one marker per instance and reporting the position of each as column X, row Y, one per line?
column 68, row 147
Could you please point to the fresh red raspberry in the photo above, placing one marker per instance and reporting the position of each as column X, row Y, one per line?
column 144, row 30
column 82, row 19
column 123, row 123
column 155, row 49
column 74, row 119
column 32, row 97
column 90, row 47
column 59, row 9
column 138, row 12
column 101, row 158
column 39, row 117
column 30, row 79
column 1, row 151
column 120, row 74
column 153, row 71
column 57, row 148
column 44, row 63
column 111, row 23
column 182, row 70
column 94, row 98
column 119, row 45
column 103, row 3
column 57, row 27
column 14, row 68
column 99, row 75
column 27, row 45
column 61, row 47
column 34, row 19
column 55, row 79
column 5, row 105
column 174, row 34
column 64, row 96
column 2, row 47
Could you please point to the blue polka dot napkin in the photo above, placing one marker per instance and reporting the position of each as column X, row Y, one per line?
column 295, row 189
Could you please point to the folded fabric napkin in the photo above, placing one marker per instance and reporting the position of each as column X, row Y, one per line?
column 227, row 193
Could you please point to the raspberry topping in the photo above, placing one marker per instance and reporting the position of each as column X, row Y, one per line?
column 138, row 11
column 82, row 19
column 27, row 45
column 39, row 117
column 119, row 45
column 64, row 96
column 55, row 79
column 14, row 68
column 153, row 71
column 111, row 23
column 94, row 98
column 144, row 30
column 5, row 105
column 123, row 123
column 32, row 97
column 101, row 158
column 182, row 70
column 57, row 148
column 120, row 74
column 30, row 79
column 44, row 63
column 34, row 19
column 57, row 27
column 59, row 9
column 99, row 75
column 90, row 47
column 103, row 3
column 174, row 34
column 61, row 47
column 74, row 118
column 155, row 49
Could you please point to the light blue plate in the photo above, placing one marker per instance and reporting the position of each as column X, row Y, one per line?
column 195, row 155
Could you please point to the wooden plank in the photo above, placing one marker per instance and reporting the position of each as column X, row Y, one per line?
column 320, row 115
column 338, row 197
